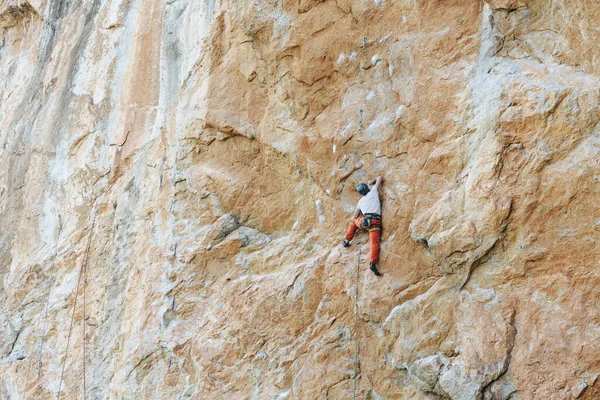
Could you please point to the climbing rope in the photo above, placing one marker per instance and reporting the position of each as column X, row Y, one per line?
column 82, row 271
column 356, row 319
column 84, row 302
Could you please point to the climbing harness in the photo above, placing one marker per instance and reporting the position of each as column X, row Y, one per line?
column 82, row 272
column 356, row 350
column 368, row 223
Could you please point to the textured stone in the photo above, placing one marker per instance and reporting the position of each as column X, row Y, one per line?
column 208, row 151
column 425, row 372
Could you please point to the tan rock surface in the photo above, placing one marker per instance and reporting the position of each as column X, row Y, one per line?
column 208, row 152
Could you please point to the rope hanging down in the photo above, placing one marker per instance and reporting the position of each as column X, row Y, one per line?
column 82, row 272
column 356, row 320
column 84, row 302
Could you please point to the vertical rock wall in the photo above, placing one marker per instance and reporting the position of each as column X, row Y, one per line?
column 176, row 177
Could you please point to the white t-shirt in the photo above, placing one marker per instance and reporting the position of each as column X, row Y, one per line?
column 370, row 203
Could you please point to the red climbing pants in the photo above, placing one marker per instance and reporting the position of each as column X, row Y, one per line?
column 374, row 235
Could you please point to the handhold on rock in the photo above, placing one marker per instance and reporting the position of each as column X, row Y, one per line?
column 223, row 227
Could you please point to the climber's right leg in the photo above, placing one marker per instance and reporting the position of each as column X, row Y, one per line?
column 351, row 231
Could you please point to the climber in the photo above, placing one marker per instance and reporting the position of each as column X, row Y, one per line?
column 368, row 217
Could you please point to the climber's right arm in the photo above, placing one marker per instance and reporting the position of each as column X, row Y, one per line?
column 379, row 182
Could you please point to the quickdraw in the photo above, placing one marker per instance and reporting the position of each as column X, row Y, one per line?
column 365, row 223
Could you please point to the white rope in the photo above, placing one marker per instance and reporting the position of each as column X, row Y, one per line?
column 82, row 272
column 356, row 350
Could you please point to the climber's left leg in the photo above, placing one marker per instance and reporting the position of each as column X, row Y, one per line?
column 374, row 235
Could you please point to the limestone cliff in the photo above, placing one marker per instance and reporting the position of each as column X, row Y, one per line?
column 176, row 178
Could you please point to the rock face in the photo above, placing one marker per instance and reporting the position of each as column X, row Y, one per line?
column 176, row 178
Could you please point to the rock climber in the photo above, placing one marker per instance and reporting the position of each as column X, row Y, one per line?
column 368, row 217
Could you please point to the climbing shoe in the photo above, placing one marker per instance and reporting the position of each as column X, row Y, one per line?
column 373, row 268
column 346, row 244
